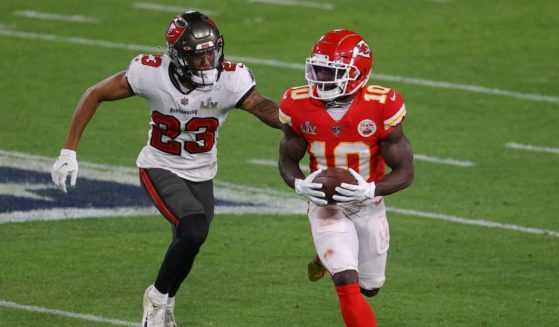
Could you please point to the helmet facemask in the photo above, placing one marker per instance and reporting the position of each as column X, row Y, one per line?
column 202, row 67
column 329, row 79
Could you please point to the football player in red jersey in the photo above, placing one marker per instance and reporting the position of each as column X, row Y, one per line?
column 341, row 121
column 191, row 89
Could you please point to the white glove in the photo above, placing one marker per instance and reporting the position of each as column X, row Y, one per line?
column 355, row 193
column 310, row 190
column 66, row 163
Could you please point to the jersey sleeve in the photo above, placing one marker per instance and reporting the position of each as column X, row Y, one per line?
column 241, row 81
column 290, row 108
column 134, row 75
column 288, row 111
column 394, row 111
column 284, row 109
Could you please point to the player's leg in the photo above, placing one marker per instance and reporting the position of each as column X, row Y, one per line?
column 203, row 192
column 336, row 243
column 190, row 218
column 374, row 238
column 188, row 237
column 355, row 309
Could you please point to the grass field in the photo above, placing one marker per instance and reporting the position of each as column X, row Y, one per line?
column 481, row 84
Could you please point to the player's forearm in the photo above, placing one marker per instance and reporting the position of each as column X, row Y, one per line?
column 267, row 112
column 265, row 109
column 290, row 171
column 83, row 113
column 292, row 150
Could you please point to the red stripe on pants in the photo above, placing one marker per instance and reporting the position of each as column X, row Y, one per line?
column 156, row 199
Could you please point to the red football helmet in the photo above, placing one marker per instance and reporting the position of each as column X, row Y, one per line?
column 339, row 65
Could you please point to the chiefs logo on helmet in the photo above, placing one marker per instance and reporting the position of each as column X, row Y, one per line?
column 362, row 49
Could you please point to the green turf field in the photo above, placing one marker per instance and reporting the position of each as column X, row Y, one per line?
column 474, row 240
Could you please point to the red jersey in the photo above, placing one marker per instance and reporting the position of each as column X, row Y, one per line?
column 351, row 142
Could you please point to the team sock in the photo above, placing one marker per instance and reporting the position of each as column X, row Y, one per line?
column 356, row 311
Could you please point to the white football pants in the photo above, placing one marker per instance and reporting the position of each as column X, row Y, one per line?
column 352, row 237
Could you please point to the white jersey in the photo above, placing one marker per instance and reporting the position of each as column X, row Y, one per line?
column 184, row 123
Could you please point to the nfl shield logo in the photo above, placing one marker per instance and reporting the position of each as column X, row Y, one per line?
column 184, row 101
column 336, row 130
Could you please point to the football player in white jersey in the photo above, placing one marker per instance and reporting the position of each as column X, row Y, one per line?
column 191, row 89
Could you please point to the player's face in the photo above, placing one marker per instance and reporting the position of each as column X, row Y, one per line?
column 202, row 60
column 328, row 74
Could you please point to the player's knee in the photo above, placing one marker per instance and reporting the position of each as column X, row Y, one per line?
column 345, row 277
column 369, row 292
column 193, row 230
column 370, row 285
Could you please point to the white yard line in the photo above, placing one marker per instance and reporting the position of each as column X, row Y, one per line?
column 465, row 87
column 272, row 163
column 269, row 62
column 533, row 148
column 172, row 9
column 293, row 3
column 51, row 16
column 78, row 40
column 282, row 64
column 475, row 222
column 443, row 161
column 67, row 314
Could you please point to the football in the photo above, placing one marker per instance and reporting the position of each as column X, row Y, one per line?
column 331, row 178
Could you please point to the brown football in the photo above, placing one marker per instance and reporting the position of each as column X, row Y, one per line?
column 331, row 178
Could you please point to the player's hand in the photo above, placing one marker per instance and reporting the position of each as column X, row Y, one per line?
column 310, row 190
column 355, row 193
column 64, row 165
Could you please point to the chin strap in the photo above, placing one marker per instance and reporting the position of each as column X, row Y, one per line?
column 205, row 77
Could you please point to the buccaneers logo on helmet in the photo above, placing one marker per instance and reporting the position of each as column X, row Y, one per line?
column 174, row 32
